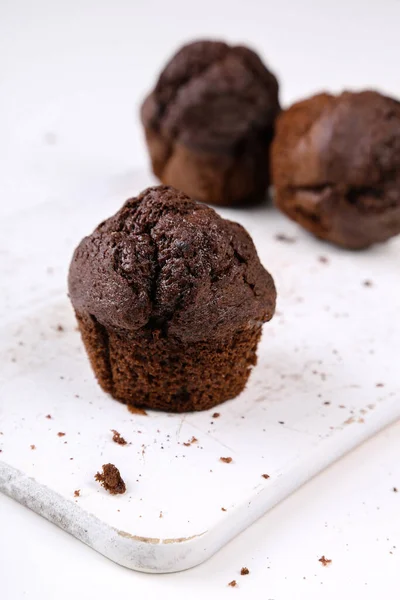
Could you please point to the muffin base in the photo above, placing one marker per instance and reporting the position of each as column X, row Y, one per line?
column 149, row 370
column 218, row 179
column 351, row 218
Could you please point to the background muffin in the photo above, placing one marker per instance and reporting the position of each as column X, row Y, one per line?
column 209, row 123
column 336, row 167
column 170, row 299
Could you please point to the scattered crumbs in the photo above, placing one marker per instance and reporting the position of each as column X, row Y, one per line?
column 323, row 259
column 327, row 403
column 49, row 417
column 380, row 385
column 111, row 479
column 216, row 415
column 33, row 447
column 265, row 476
column 395, row 489
column 160, row 515
column 135, row 410
column 192, row 441
column 77, row 493
column 118, row 439
column 281, row 422
column 224, row 509
column 60, row 327
column 283, row 237
column 60, row 434
column 367, row 283
column 226, row 459
column 232, row 583
column 244, row 571
column 324, row 561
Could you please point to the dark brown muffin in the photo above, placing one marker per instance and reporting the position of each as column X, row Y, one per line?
column 336, row 167
column 170, row 299
column 209, row 123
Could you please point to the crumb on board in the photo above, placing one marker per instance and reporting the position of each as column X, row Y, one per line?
column 281, row 422
column 324, row 561
column 111, row 479
column 232, row 583
column 380, row 385
column 226, row 459
column 327, row 403
column 60, row 327
column 135, row 410
column 283, row 237
column 160, row 515
column 49, row 417
column 367, row 283
column 223, row 509
column 117, row 438
column 77, row 493
column 60, row 434
column 190, row 442
column 244, row 571
column 216, row 415
column 265, row 476
column 323, row 259
column 395, row 489
column 33, row 447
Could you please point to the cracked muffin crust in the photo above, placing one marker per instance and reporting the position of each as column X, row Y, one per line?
column 170, row 300
column 336, row 167
column 209, row 123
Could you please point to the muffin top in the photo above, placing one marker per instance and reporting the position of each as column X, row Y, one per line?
column 350, row 142
column 211, row 96
column 164, row 262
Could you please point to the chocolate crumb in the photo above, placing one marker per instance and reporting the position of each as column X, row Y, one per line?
column 367, row 283
column 380, row 385
column 60, row 327
column 49, row 417
column 33, row 447
column 395, row 489
column 223, row 509
column 192, row 441
column 135, row 410
column 226, row 459
column 324, row 561
column 244, row 571
column 282, row 237
column 111, row 479
column 216, row 415
column 77, row 493
column 327, row 403
column 232, row 583
column 265, row 476
column 60, row 434
column 118, row 439
column 281, row 422
column 323, row 259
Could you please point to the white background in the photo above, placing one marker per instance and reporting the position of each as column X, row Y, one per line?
column 72, row 75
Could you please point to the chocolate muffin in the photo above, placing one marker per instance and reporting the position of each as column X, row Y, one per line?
column 209, row 123
column 336, row 167
column 170, row 300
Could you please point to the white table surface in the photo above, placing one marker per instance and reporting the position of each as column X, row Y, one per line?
column 71, row 77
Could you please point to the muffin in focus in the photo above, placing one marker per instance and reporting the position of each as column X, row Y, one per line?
column 209, row 123
column 336, row 167
column 170, row 300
